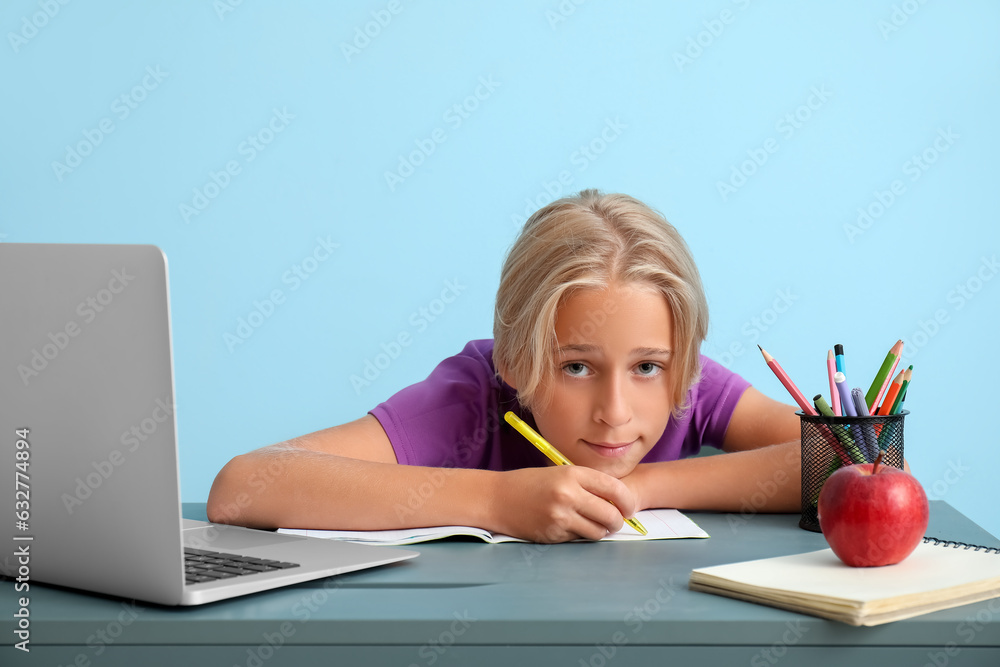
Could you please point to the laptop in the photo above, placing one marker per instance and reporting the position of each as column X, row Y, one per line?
column 89, row 486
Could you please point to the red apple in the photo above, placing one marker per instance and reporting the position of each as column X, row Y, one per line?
column 872, row 514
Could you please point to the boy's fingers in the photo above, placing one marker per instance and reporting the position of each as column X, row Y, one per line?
column 613, row 490
column 589, row 529
column 601, row 512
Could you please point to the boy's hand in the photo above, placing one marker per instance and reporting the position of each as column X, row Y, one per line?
column 559, row 504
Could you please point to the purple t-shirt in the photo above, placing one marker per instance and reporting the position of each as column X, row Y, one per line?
column 454, row 418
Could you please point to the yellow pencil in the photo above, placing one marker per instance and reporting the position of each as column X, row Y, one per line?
column 555, row 455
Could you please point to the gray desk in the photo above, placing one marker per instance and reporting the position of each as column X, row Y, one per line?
column 469, row 603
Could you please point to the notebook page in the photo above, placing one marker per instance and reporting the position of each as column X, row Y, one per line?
column 392, row 537
column 662, row 524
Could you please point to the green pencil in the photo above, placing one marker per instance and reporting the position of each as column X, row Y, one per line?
column 889, row 430
column 882, row 377
column 898, row 403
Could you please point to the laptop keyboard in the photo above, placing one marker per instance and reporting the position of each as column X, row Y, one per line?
column 201, row 566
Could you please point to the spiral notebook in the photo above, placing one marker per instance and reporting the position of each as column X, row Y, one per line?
column 937, row 575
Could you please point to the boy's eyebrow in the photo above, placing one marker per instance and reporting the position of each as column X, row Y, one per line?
column 578, row 348
column 639, row 351
column 652, row 351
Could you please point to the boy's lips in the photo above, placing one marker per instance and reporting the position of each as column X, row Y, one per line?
column 610, row 449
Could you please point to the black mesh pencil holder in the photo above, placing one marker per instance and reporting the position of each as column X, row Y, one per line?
column 830, row 443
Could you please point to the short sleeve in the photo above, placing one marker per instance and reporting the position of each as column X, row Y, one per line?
column 451, row 419
column 720, row 390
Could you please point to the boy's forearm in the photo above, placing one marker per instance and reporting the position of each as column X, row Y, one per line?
column 767, row 479
column 291, row 488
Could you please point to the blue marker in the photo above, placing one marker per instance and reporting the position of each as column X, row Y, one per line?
column 838, row 350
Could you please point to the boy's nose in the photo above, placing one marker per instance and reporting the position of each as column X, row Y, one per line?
column 613, row 407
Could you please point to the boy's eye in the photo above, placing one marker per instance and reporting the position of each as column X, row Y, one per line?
column 576, row 369
column 647, row 368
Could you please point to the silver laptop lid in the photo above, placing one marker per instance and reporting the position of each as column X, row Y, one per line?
column 86, row 371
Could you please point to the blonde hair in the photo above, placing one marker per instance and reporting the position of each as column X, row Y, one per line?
column 592, row 240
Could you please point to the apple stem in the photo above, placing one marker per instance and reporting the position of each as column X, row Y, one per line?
column 878, row 459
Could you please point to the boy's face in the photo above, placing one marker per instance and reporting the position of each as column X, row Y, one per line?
column 609, row 394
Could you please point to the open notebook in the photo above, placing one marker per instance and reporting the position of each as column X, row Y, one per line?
column 661, row 524
column 937, row 575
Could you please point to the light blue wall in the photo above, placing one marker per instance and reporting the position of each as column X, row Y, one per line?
column 888, row 82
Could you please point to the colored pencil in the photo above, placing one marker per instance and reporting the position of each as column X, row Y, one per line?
column 897, row 406
column 882, row 378
column 902, row 397
column 787, row 381
column 890, row 396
